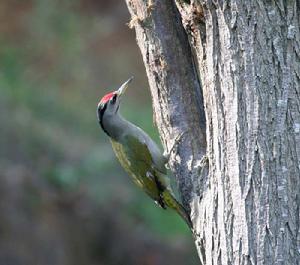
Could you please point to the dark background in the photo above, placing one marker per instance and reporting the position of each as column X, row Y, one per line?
column 64, row 199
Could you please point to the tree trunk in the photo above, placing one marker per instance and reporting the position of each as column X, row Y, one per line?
column 245, row 198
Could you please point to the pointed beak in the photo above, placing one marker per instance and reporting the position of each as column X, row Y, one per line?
column 122, row 89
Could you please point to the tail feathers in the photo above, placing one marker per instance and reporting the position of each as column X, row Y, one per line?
column 172, row 203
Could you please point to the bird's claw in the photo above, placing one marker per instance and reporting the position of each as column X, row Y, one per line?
column 167, row 154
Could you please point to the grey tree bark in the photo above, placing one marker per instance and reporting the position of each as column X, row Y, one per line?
column 238, row 160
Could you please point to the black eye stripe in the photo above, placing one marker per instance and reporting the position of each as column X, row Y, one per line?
column 100, row 117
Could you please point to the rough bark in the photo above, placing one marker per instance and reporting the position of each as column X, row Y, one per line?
column 246, row 208
column 175, row 87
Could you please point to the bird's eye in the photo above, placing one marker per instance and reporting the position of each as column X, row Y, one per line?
column 113, row 100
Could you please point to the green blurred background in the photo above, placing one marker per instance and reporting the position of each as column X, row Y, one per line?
column 64, row 199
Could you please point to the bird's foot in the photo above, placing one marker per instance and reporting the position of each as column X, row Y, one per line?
column 203, row 161
column 167, row 154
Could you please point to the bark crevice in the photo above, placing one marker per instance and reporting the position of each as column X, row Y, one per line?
column 245, row 208
column 176, row 91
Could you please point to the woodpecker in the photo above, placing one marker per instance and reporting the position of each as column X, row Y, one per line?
column 138, row 153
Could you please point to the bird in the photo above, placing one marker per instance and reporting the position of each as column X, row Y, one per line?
column 137, row 153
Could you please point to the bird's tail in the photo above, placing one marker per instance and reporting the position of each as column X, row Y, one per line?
column 172, row 203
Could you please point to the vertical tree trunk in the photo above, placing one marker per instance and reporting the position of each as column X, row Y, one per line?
column 245, row 208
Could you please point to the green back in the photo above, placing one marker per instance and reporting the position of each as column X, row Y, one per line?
column 136, row 159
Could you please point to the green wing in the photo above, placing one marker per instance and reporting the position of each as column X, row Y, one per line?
column 136, row 159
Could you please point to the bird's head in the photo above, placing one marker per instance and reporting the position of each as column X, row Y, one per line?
column 110, row 103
